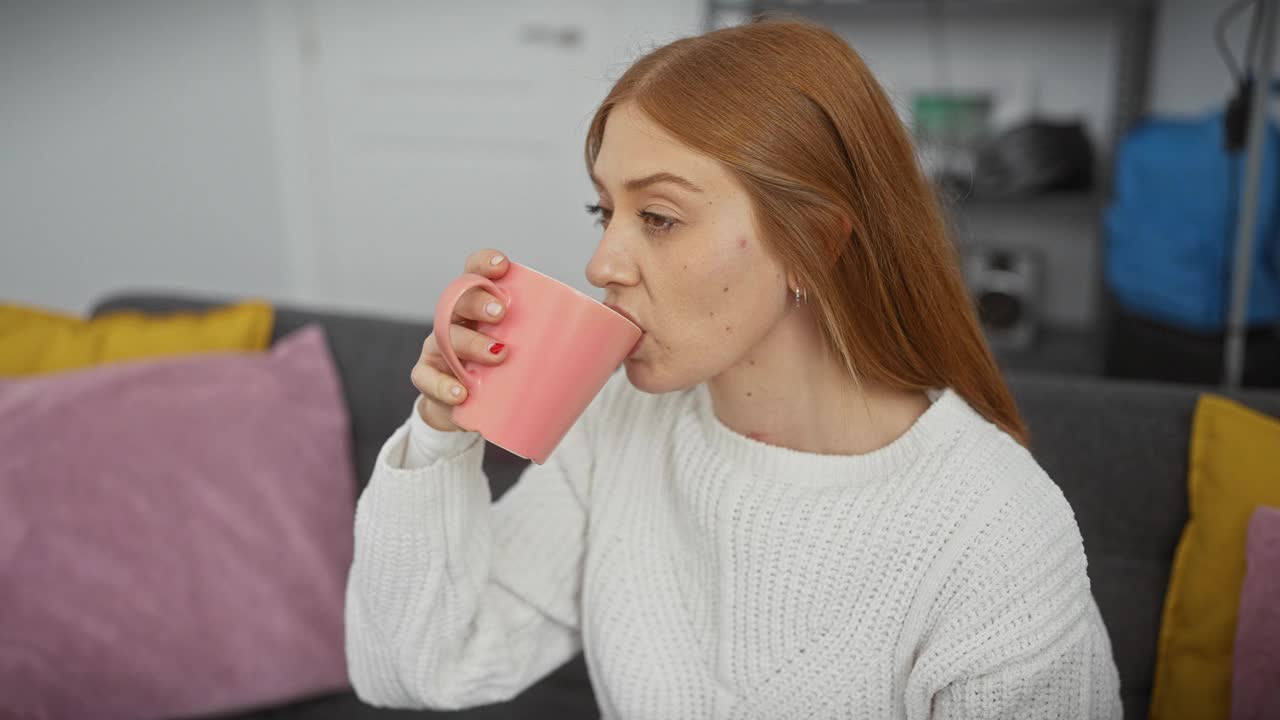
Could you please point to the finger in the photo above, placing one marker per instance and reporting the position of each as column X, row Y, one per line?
column 489, row 263
column 438, row 362
column 468, row 344
column 473, row 345
column 429, row 348
column 436, row 385
column 480, row 306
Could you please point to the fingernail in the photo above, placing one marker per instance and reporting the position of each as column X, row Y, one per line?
column 496, row 348
column 495, row 260
column 493, row 309
column 456, row 391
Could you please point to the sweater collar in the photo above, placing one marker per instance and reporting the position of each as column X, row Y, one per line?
column 947, row 414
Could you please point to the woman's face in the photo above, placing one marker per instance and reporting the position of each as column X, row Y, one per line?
column 680, row 254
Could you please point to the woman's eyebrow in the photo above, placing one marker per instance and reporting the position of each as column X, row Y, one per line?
column 658, row 177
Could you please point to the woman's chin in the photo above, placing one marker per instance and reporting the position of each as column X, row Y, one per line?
column 640, row 375
column 646, row 378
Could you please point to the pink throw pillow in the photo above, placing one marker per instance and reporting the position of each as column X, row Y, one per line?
column 1255, row 665
column 174, row 534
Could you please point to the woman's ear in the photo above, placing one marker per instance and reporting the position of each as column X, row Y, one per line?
column 841, row 243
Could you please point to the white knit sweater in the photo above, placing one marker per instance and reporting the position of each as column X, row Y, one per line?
column 709, row 575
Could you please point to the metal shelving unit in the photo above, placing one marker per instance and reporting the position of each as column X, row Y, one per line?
column 1246, row 222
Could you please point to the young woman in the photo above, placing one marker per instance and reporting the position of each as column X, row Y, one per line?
column 808, row 496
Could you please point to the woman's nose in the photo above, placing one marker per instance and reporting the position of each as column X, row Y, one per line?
column 609, row 265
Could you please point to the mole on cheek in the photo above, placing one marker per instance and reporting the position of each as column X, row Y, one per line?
column 726, row 289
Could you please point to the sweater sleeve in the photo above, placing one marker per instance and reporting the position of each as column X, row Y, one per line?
column 426, row 444
column 1018, row 634
column 453, row 601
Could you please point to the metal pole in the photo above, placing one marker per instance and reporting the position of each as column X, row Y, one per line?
column 1246, row 221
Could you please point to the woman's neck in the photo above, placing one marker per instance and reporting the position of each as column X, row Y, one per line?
column 791, row 391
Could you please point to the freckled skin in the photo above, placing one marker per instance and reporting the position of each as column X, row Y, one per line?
column 662, row 252
column 667, row 278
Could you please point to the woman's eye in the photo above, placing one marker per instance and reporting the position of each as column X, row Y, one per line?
column 655, row 223
column 603, row 214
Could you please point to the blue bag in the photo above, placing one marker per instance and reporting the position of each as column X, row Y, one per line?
column 1172, row 223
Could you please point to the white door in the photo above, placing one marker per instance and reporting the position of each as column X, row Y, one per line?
column 417, row 131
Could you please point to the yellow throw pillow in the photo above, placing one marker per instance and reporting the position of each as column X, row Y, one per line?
column 1234, row 467
column 34, row 341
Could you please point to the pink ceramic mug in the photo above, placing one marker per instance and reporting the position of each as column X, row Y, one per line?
column 562, row 346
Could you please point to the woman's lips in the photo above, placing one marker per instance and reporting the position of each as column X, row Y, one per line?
column 634, row 348
column 624, row 314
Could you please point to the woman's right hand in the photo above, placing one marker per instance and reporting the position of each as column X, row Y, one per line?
column 431, row 375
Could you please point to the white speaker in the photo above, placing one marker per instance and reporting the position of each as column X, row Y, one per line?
column 1005, row 284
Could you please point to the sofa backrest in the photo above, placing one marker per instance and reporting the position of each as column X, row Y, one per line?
column 374, row 356
column 1117, row 449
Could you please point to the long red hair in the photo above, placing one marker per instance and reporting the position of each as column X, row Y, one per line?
column 792, row 111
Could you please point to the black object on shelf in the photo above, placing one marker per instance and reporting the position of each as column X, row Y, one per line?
column 1139, row 348
column 1035, row 157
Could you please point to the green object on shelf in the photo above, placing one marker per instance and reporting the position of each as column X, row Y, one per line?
column 951, row 119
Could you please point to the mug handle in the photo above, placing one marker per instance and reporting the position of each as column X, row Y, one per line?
column 444, row 318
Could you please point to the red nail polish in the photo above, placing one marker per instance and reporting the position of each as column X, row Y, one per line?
column 496, row 348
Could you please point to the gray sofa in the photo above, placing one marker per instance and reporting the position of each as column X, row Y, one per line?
column 1117, row 449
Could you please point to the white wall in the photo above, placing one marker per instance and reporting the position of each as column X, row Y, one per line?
column 1187, row 76
column 145, row 144
column 1058, row 62
column 136, row 151
column 136, row 136
column 428, row 130
column 1055, row 62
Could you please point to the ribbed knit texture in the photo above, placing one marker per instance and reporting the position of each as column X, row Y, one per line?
column 711, row 575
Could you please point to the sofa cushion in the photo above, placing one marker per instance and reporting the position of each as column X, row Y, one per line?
column 373, row 354
column 174, row 535
column 1234, row 467
column 1255, row 671
column 39, row 341
column 1118, row 450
